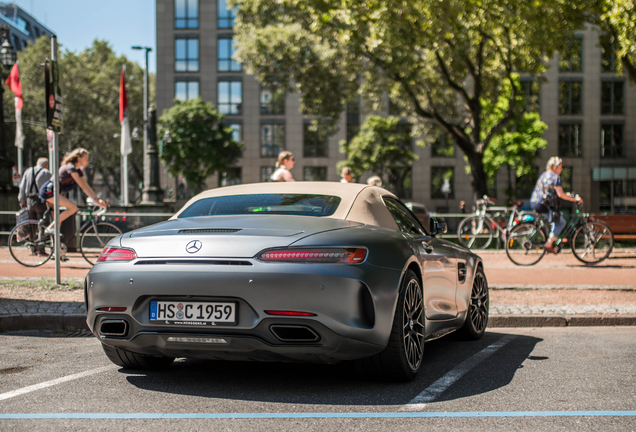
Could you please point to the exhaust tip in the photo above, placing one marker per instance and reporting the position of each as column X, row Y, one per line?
column 114, row 328
column 292, row 333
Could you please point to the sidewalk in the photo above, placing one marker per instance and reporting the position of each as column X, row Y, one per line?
column 559, row 291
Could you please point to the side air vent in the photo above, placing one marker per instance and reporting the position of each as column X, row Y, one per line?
column 209, row 231
column 194, row 262
column 461, row 272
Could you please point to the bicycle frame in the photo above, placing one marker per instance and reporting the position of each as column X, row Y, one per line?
column 578, row 219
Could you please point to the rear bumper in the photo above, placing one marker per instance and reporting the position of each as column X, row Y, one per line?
column 258, row 344
column 353, row 305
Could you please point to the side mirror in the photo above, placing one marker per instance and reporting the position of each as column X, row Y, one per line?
column 437, row 226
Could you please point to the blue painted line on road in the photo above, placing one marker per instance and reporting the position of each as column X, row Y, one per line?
column 315, row 415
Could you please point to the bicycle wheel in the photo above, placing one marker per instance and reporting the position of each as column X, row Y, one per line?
column 475, row 233
column 29, row 245
column 524, row 244
column 592, row 242
column 93, row 241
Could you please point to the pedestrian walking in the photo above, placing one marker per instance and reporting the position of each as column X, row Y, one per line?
column 71, row 173
column 32, row 181
column 462, row 206
column 284, row 164
column 347, row 175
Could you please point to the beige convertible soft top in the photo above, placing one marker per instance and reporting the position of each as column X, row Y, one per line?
column 359, row 202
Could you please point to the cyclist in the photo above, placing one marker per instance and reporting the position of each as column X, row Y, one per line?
column 71, row 174
column 545, row 199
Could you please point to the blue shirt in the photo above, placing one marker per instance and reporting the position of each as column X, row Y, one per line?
column 545, row 190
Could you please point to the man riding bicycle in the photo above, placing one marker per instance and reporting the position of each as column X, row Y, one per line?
column 545, row 199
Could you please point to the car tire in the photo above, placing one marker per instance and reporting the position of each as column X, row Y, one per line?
column 401, row 360
column 131, row 360
column 477, row 315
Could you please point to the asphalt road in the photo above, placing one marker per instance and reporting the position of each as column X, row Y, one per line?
column 543, row 379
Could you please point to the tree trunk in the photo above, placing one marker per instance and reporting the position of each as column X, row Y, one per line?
column 476, row 162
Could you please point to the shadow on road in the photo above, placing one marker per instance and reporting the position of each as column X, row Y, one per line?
column 308, row 384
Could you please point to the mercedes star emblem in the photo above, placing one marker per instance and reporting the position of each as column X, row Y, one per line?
column 194, row 246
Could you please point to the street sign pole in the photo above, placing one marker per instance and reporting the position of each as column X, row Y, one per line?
column 56, row 177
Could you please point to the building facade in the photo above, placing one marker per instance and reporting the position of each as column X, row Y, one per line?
column 585, row 104
column 23, row 27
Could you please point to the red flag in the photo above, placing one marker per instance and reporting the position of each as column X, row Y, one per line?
column 123, row 100
column 13, row 82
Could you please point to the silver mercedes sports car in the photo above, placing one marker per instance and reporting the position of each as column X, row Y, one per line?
column 306, row 271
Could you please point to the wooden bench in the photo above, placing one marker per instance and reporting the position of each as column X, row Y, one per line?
column 622, row 225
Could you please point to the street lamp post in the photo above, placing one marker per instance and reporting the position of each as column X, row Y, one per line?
column 7, row 58
column 151, row 193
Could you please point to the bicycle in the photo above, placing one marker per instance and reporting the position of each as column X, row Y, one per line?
column 478, row 230
column 591, row 241
column 31, row 246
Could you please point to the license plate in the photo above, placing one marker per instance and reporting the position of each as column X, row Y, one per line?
column 193, row 313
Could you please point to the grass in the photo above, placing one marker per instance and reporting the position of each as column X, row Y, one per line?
column 43, row 284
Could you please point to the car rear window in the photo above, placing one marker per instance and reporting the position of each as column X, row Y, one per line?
column 288, row 204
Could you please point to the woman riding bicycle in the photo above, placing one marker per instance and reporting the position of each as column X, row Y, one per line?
column 545, row 199
column 71, row 174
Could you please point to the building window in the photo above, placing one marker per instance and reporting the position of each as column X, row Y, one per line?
column 442, row 182
column 566, row 178
column 570, row 140
column 608, row 55
column 400, row 181
column 315, row 173
column 570, row 97
column 230, row 96
column 237, row 130
column 352, row 130
column 225, row 51
column 186, row 14
column 186, row 89
column 225, row 17
column 571, row 59
column 272, row 101
column 525, row 184
column 266, row 173
column 272, row 139
column 612, row 141
column 186, row 54
column 530, row 92
column 315, row 143
column 230, row 177
column 442, row 145
column 612, row 99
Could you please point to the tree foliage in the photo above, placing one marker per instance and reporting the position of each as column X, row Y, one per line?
column 438, row 60
column 380, row 148
column 197, row 143
column 517, row 145
column 618, row 19
column 90, row 88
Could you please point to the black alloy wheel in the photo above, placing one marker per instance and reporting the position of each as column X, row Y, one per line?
column 477, row 315
column 401, row 360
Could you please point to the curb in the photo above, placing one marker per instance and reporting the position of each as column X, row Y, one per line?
column 560, row 321
column 9, row 323
column 41, row 322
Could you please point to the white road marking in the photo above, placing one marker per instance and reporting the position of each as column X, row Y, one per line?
column 40, row 386
column 438, row 387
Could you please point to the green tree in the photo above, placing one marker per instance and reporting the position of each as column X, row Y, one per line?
column 381, row 148
column 438, row 60
column 90, row 87
column 617, row 18
column 197, row 143
column 516, row 146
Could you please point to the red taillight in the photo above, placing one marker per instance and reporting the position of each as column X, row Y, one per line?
column 112, row 309
column 116, row 254
column 315, row 255
column 289, row 313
